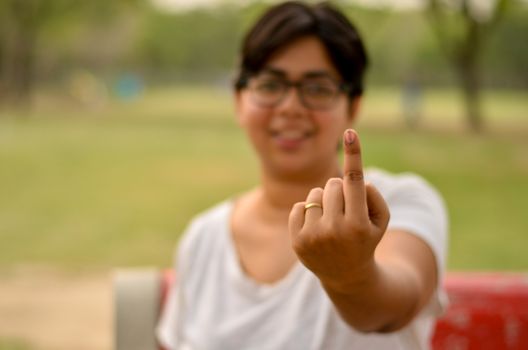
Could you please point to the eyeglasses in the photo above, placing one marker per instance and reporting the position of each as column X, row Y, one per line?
column 314, row 93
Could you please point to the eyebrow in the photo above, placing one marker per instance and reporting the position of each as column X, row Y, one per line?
column 310, row 74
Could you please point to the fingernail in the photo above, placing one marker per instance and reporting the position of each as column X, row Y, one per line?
column 350, row 137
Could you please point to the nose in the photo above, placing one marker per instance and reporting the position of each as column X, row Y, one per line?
column 291, row 103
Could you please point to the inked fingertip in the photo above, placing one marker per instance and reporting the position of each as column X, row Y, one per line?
column 350, row 137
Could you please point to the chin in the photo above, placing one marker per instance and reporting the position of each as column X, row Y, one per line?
column 293, row 169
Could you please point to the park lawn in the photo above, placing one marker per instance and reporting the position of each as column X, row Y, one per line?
column 16, row 344
column 116, row 186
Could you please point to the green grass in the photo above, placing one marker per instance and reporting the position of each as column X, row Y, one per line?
column 9, row 344
column 116, row 186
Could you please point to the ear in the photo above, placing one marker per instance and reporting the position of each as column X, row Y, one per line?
column 237, row 97
column 353, row 109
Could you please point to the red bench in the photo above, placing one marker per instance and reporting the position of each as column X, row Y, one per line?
column 486, row 310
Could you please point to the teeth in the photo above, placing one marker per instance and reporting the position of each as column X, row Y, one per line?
column 291, row 134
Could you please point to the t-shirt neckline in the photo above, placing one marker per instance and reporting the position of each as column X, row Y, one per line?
column 239, row 277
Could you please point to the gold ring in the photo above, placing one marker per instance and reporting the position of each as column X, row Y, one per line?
column 312, row 205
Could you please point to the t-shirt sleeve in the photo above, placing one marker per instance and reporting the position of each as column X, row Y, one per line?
column 416, row 207
column 169, row 325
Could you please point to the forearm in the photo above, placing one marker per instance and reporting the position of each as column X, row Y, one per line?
column 385, row 301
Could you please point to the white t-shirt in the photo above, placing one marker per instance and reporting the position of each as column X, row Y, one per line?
column 214, row 305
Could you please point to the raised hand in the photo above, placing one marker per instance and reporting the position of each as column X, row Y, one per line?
column 336, row 230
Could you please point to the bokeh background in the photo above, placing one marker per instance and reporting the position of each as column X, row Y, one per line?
column 117, row 127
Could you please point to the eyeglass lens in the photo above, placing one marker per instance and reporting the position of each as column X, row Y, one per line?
column 318, row 93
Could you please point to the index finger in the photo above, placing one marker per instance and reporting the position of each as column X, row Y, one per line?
column 353, row 183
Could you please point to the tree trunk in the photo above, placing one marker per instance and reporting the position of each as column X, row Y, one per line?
column 471, row 92
column 17, row 71
column 467, row 63
column 464, row 53
column 20, row 75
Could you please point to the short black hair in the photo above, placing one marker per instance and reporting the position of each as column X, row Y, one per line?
column 284, row 23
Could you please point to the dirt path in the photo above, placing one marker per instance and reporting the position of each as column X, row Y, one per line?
column 52, row 310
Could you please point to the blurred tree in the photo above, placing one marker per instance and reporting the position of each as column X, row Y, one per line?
column 198, row 42
column 463, row 27
column 506, row 61
column 44, row 41
column 21, row 25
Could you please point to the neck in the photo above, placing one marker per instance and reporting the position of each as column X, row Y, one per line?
column 280, row 193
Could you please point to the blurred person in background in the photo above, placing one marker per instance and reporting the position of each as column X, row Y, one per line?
column 412, row 100
column 319, row 255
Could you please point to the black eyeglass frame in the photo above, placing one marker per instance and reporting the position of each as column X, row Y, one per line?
column 342, row 87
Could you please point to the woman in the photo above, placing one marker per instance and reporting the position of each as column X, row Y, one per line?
column 309, row 259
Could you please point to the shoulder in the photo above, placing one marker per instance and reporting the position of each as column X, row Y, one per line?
column 212, row 217
column 203, row 233
column 415, row 206
column 407, row 190
column 393, row 185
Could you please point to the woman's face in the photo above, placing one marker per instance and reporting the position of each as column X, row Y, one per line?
column 291, row 138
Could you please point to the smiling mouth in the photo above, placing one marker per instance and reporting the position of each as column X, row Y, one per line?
column 290, row 139
column 293, row 135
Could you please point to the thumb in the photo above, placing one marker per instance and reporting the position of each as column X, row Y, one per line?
column 378, row 210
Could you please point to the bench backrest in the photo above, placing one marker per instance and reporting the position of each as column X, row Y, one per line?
column 486, row 310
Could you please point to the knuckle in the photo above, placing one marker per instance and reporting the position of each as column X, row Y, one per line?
column 297, row 245
column 303, row 243
column 317, row 191
column 298, row 206
column 358, row 226
column 330, row 227
column 334, row 181
column 354, row 175
column 359, row 237
column 353, row 150
column 387, row 217
column 300, row 248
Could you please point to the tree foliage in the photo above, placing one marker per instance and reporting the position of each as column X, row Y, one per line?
column 23, row 24
column 42, row 40
column 463, row 28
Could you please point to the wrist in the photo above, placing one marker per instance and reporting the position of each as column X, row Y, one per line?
column 358, row 280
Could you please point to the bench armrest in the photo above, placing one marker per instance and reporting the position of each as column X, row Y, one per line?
column 137, row 302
